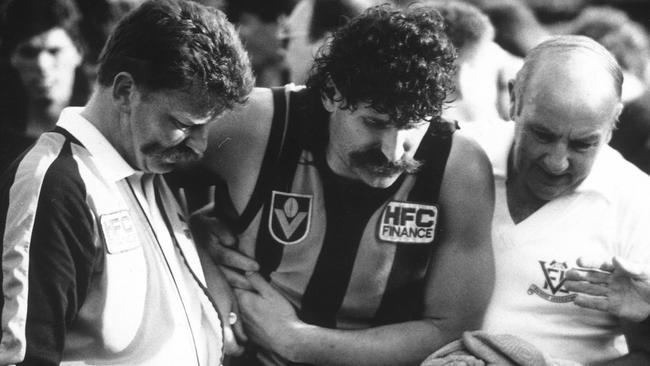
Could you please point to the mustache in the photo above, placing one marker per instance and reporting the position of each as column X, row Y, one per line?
column 176, row 153
column 373, row 159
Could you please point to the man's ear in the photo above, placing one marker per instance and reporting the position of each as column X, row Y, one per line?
column 123, row 90
column 513, row 100
column 617, row 113
column 330, row 96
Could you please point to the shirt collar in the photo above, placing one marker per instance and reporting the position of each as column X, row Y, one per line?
column 113, row 165
column 600, row 180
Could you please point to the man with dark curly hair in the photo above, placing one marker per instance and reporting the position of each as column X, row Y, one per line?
column 362, row 219
column 98, row 267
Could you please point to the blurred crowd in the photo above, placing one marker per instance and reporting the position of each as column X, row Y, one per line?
column 49, row 49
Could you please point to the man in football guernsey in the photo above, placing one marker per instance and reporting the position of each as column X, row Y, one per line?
column 98, row 266
column 362, row 218
column 562, row 193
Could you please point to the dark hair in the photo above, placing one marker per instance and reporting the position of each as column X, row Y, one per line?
column 268, row 11
column 517, row 28
column 179, row 45
column 328, row 15
column 400, row 62
column 23, row 19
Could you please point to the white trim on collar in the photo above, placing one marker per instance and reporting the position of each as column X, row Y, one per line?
column 113, row 165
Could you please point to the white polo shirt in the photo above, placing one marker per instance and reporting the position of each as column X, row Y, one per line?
column 607, row 215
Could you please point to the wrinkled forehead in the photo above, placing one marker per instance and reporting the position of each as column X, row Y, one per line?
column 192, row 102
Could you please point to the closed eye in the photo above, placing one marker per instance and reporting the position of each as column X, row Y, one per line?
column 582, row 145
column 180, row 125
column 544, row 137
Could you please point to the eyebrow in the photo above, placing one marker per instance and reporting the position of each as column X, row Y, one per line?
column 543, row 129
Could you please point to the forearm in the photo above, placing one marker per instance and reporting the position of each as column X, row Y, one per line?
column 398, row 344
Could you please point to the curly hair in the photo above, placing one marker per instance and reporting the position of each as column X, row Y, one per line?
column 180, row 45
column 399, row 61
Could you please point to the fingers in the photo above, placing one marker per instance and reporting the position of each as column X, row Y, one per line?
column 595, row 263
column 238, row 330
column 232, row 258
column 230, row 344
column 222, row 232
column 593, row 276
column 260, row 284
column 237, row 327
column 586, row 288
column 592, row 302
column 236, row 279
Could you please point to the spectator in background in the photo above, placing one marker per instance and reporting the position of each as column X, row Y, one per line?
column 98, row 18
column 629, row 43
column 480, row 98
column 40, row 57
column 258, row 25
column 517, row 28
column 308, row 25
column 483, row 67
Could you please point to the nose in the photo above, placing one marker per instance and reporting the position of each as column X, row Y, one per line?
column 197, row 139
column 556, row 160
column 44, row 61
column 394, row 144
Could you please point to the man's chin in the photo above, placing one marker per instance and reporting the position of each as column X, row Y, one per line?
column 549, row 192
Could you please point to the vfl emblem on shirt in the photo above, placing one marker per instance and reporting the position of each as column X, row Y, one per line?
column 554, row 282
column 119, row 232
column 290, row 217
column 406, row 222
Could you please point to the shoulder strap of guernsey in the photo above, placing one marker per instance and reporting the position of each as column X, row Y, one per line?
column 402, row 303
column 280, row 178
column 274, row 149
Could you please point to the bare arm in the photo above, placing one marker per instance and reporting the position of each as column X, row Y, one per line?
column 236, row 145
column 458, row 286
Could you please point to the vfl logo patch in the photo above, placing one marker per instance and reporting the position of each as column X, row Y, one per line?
column 554, row 277
column 290, row 217
column 119, row 232
column 406, row 222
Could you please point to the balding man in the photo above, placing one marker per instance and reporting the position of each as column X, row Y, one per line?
column 565, row 194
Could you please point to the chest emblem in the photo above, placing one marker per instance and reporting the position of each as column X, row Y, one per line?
column 553, row 289
column 119, row 232
column 407, row 222
column 290, row 217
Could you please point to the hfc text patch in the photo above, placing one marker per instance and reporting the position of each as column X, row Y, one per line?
column 406, row 222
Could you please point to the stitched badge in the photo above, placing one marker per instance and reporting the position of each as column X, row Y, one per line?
column 407, row 222
column 119, row 232
column 290, row 217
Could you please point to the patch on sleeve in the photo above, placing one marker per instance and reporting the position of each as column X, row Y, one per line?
column 407, row 222
column 119, row 232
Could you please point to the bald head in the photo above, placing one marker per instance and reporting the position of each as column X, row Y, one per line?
column 568, row 69
column 565, row 102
